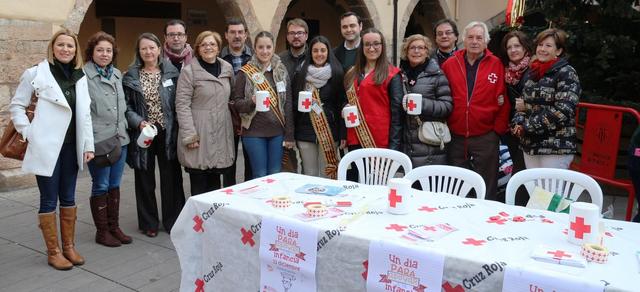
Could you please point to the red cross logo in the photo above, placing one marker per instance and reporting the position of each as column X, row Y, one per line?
column 580, row 228
column 429, row 228
column 227, row 191
column 352, row 118
column 266, row 102
column 247, row 237
column 306, row 103
column 411, row 105
column 427, row 209
column 394, row 198
column 365, row 264
column 497, row 220
column 448, row 288
column 471, row 241
column 269, row 180
column 199, row 285
column 559, row 254
column 147, row 142
column 493, row 78
column 198, row 224
column 396, row 227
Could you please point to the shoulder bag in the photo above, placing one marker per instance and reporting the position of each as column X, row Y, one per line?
column 12, row 145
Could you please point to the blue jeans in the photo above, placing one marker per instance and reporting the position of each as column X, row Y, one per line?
column 108, row 177
column 61, row 185
column 634, row 172
column 265, row 154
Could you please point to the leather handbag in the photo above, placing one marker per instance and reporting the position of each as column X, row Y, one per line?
column 12, row 144
column 433, row 133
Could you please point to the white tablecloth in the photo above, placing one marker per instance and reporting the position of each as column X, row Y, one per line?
column 217, row 238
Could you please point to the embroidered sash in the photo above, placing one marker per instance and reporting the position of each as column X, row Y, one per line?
column 362, row 130
column 325, row 138
column 261, row 83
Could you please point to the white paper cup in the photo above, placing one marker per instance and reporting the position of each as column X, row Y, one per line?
column 304, row 101
column 351, row 117
column 399, row 197
column 146, row 136
column 584, row 223
column 414, row 104
column 262, row 101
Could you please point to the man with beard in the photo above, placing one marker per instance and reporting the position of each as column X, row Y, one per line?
column 297, row 34
column 350, row 27
column 175, row 47
column 237, row 53
column 446, row 35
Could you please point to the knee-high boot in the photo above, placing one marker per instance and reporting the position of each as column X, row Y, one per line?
column 113, row 213
column 50, row 234
column 99, row 209
column 68, row 232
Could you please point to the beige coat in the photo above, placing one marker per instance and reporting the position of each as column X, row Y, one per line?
column 203, row 116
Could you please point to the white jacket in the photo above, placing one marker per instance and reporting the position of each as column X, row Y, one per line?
column 46, row 132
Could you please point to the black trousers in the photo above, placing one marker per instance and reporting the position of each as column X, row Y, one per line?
column 352, row 173
column 203, row 181
column 230, row 173
column 480, row 154
column 517, row 158
column 171, row 191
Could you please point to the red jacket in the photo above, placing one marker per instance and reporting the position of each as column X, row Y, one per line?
column 376, row 107
column 488, row 108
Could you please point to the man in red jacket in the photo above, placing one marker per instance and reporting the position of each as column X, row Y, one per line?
column 480, row 109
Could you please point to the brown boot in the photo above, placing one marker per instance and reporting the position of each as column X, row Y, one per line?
column 50, row 235
column 68, row 232
column 99, row 212
column 113, row 213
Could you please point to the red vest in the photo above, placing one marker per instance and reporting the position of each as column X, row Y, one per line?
column 376, row 108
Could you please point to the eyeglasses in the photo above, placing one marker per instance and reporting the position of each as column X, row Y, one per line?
column 176, row 35
column 212, row 45
column 443, row 33
column 417, row 48
column 375, row 45
column 296, row 33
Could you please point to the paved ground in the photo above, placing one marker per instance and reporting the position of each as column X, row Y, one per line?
column 148, row 264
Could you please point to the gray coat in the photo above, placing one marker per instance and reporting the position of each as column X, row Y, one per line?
column 108, row 104
column 437, row 105
column 204, row 117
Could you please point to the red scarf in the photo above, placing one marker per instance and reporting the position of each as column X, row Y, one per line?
column 513, row 72
column 539, row 68
column 184, row 57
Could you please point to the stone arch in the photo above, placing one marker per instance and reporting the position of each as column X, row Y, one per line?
column 366, row 9
column 432, row 9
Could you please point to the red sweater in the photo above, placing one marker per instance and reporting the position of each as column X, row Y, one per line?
column 488, row 107
column 376, row 106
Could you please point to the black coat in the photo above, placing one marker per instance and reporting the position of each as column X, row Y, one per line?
column 333, row 98
column 437, row 105
column 137, row 112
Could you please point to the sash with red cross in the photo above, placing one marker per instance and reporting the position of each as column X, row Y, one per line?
column 325, row 138
column 362, row 131
column 261, row 83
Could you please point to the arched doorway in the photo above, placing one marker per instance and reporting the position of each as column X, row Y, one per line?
column 126, row 20
column 420, row 16
column 322, row 16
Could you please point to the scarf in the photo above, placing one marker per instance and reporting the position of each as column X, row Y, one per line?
column 318, row 77
column 513, row 72
column 444, row 55
column 538, row 68
column 105, row 72
column 412, row 73
column 184, row 57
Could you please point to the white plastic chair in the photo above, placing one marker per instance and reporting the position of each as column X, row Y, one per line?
column 453, row 180
column 567, row 183
column 375, row 165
